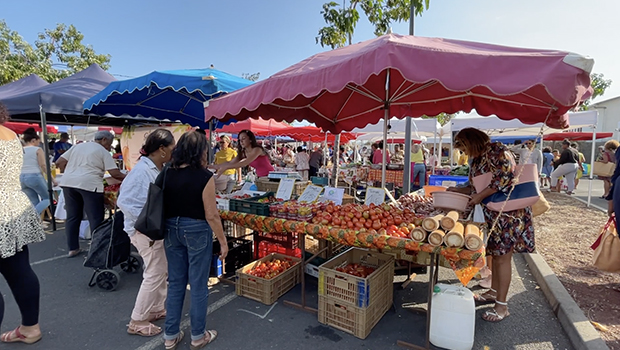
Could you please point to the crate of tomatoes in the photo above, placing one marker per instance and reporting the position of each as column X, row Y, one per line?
column 356, row 277
column 267, row 279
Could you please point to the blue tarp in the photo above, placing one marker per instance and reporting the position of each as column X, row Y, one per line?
column 509, row 140
column 174, row 95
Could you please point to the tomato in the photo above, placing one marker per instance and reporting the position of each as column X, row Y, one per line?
column 376, row 225
column 390, row 222
column 404, row 230
column 350, row 224
column 398, row 220
column 336, row 221
column 386, row 214
column 354, row 220
column 359, row 225
column 374, row 217
column 366, row 214
column 362, row 220
column 358, row 214
column 330, row 208
column 324, row 222
column 368, row 224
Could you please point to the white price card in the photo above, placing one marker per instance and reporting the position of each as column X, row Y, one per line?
column 374, row 195
column 285, row 189
column 311, row 193
column 334, row 194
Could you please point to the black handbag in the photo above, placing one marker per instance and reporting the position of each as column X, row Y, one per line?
column 151, row 221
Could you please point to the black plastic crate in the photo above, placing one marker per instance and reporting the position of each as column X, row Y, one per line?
column 239, row 255
column 251, row 205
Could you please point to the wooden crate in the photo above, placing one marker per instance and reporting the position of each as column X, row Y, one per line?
column 267, row 291
column 352, row 290
column 265, row 185
column 355, row 320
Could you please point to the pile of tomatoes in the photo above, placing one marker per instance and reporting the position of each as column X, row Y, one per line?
column 270, row 269
column 356, row 270
column 385, row 219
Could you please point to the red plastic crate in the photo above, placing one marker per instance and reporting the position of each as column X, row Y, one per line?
column 265, row 248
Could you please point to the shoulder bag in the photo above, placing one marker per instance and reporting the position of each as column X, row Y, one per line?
column 151, row 221
column 607, row 248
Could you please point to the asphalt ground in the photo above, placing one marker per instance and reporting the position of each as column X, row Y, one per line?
column 75, row 316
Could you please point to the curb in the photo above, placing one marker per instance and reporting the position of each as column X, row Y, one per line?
column 581, row 333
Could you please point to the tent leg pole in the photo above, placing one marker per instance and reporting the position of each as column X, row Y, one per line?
column 211, row 141
column 407, row 165
column 592, row 155
column 336, row 160
column 48, row 166
column 384, row 150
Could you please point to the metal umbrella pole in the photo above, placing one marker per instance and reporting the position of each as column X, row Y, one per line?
column 48, row 166
column 386, row 119
column 592, row 155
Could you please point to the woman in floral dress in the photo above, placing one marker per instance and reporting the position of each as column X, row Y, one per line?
column 509, row 231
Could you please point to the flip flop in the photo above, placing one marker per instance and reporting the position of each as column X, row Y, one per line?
column 175, row 342
column 18, row 337
column 493, row 313
column 203, row 342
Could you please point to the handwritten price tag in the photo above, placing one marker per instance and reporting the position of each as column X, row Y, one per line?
column 285, row 189
column 311, row 193
column 374, row 195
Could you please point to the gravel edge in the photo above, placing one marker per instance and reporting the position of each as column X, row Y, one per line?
column 580, row 331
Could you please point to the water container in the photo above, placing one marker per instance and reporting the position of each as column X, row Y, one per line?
column 453, row 317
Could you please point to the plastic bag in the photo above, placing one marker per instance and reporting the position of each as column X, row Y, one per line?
column 478, row 214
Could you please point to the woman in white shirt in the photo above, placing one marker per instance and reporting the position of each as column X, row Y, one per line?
column 302, row 162
column 82, row 184
column 150, row 302
column 31, row 178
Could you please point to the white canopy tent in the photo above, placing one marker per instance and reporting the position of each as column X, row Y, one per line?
column 492, row 125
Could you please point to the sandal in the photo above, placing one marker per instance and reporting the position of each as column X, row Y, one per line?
column 145, row 331
column 16, row 336
column 175, row 342
column 493, row 316
column 204, row 341
column 156, row 316
column 480, row 299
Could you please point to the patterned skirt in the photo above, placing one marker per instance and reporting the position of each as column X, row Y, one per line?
column 513, row 230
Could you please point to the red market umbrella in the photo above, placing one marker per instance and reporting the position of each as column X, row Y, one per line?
column 395, row 75
column 314, row 134
column 577, row 136
column 259, row 126
column 19, row 128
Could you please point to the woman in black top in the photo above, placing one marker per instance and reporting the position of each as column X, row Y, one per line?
column 566, row 166
column 191, row 219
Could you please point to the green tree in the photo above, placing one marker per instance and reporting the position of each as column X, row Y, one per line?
column 57, row 53
column 599, row 84
column 341, row 21
column 251, row 77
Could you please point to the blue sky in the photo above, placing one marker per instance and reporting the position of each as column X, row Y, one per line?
column 269, row 35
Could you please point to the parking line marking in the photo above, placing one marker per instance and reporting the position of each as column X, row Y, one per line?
column 261, row 316
column 158, row 341
column 48, row 260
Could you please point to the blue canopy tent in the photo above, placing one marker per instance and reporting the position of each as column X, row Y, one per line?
column 21, row 86
column 172, row 96
column 508, row 140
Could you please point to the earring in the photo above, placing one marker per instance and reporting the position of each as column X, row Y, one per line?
column 163, row 154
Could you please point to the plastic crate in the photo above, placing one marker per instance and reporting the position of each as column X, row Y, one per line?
column 352, row 290
column 355, row 320
column 446, row 180
column 319, row 180
column 251, row 205
column 265, row 248
column 289, row 241
column 267, row 291
column 239, row 254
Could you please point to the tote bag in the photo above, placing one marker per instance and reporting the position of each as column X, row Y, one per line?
column 607, row 248
column 525, row 192
column 603, row 169
column 151, row 221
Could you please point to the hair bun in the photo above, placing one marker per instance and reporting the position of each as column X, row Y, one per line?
column 143, row 152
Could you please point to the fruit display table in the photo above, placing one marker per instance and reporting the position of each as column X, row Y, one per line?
column 465, row 263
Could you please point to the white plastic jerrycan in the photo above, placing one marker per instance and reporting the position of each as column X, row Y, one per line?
column 453, row 317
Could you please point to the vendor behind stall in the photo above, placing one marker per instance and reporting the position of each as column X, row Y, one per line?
column 226, row 181
column 249, row 153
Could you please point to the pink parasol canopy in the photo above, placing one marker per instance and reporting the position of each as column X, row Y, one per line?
column 395, row 75
column 577, row 136
column 19, row 128
column 258, row 126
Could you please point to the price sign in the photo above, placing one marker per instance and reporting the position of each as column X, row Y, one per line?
column 247, row 186
column 374, row 195
column 334, row 194
column 311, row 193
column 285, row 189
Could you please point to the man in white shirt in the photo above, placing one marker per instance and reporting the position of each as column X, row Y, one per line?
column 82, row 184
column 529, row 154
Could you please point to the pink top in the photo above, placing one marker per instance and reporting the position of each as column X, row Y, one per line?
column 377, row 157
column 262, row 165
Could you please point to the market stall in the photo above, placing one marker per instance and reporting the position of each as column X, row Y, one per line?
column 342, row 89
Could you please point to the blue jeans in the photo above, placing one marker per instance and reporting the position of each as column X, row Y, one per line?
column 34, row 186
column 419, row 170
column 189, row 247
